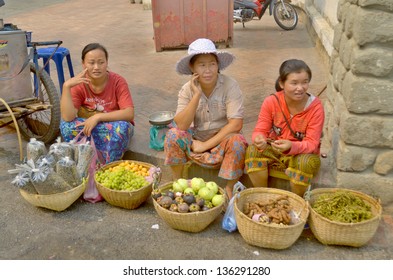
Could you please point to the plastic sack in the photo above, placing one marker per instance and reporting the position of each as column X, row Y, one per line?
column 61, row 149
column 46, row 160
column 66, row 168
column 229, row 221
column 35, row 149
column 91, row 193
column 157, row 137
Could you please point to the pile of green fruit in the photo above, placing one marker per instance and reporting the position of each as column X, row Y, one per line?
column 121, row 178
column 189, row 196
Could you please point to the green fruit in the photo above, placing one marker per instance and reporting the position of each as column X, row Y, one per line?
column 189, row 191
column 206, row 193
column 213, row 186
column 180, row 185
column 197, row 184
column 218, row 199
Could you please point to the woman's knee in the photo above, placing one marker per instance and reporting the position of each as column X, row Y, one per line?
column 309, row 163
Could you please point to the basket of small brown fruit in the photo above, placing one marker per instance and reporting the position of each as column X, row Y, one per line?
column 270, row 218
column 189, row 205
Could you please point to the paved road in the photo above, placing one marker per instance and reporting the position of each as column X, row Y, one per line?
column 103, row 232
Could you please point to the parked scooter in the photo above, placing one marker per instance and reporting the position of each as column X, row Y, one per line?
column 284, row 13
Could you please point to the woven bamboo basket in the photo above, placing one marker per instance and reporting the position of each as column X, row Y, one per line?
column 190, row 222
column 264, row 235
column 348, row 234
column 57, row 201
column 126, row 199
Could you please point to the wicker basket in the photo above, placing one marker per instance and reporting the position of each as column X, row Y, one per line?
column 348, row 234
column 57, row 201
column 271, row 236
column 126, row 199
column 190, row 222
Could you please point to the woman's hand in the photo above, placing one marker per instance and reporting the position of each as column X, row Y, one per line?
column 194, row 84
column 197, row 146
column 260, row 142
column 90, row 124
column 76, row 80
column 282, row 145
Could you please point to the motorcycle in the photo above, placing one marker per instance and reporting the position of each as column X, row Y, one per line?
column 283, row 12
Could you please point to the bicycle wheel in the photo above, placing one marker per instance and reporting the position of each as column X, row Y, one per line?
column 44, row 125
column 285, row 15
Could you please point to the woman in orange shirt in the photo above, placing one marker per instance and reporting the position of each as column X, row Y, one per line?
column 288, row 130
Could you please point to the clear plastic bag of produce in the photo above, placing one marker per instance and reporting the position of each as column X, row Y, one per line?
column 47, row 181
column 86, row 153
column 35, row 149
column 46, row 160
column 22, row 181
column 229, row 221
column 66, row 168
column 61, row 149
column 44, row 179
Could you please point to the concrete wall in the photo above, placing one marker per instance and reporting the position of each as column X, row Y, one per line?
column 359, row 103
column 321, row 15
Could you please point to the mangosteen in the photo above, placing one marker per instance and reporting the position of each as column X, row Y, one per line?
column 205, row 208
column 200, row 201
column 194, row 207
column 209, row 204
column 171, row 194
column 173, row 207
column 183, row 207
column 165, row 201
column 178, row 200
column 189, row 198
column 155, row 194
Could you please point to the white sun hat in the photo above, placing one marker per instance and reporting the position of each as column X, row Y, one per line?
column 203, row 46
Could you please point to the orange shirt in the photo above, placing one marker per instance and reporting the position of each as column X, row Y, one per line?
column 309, row 122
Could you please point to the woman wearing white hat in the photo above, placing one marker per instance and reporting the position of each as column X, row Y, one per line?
column 209, row 116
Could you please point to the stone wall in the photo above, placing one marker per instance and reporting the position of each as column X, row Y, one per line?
column 359, row 106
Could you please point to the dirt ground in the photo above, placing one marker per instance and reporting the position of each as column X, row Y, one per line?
column 100, row 231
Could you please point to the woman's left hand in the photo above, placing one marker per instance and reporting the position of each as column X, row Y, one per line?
column 197, row 146
column 282, row 145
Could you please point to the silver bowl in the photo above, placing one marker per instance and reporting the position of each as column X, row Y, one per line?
column 161, row 118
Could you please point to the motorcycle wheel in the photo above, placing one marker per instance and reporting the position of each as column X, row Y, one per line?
column 285, row 15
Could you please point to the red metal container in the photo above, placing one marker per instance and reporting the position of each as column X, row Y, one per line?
column 177, row 23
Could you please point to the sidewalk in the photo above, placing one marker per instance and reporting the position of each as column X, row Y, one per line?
column 101, row 231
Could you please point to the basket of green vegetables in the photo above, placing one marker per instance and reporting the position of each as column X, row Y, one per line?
column 343, row 217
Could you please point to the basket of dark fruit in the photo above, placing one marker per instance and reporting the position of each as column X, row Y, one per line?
column 189, row 205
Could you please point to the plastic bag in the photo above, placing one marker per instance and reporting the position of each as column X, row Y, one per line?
column 229, row 221
column 46, row 160
column 91, row 193
column 61, row 149
column 35, row 149
column 157, row 137
column 66, row 168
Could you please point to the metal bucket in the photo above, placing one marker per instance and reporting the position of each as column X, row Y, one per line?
column 15, row 83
